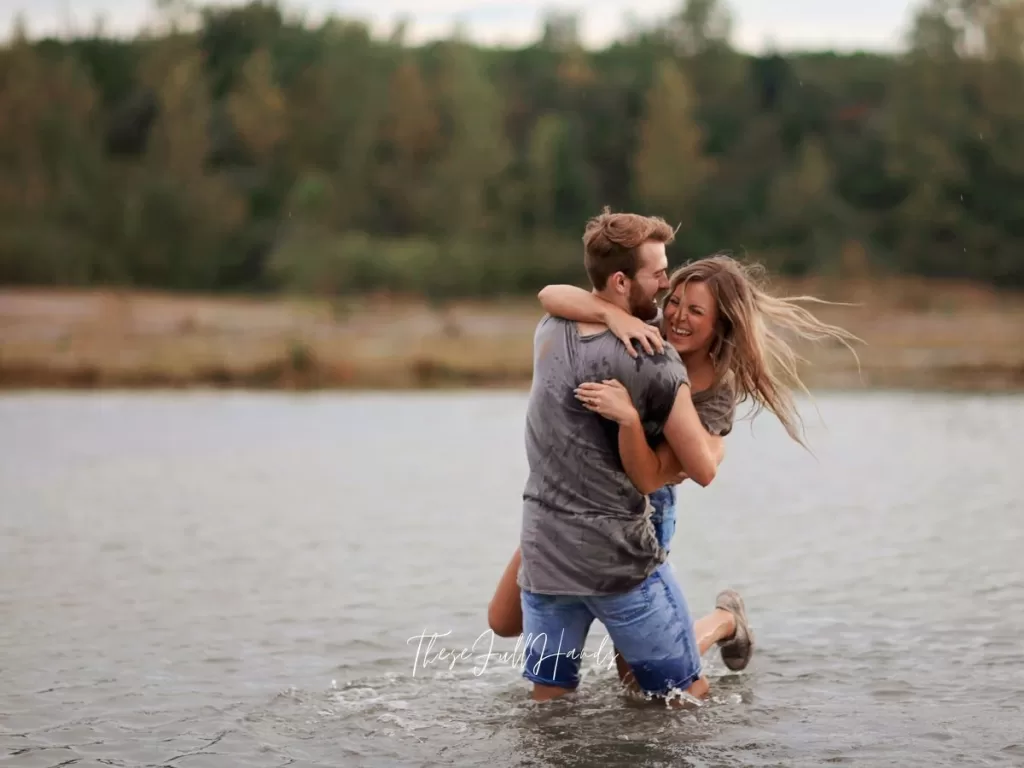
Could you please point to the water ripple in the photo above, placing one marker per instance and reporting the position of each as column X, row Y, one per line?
column 234, row 579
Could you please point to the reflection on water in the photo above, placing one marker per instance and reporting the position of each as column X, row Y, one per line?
column 240, row 579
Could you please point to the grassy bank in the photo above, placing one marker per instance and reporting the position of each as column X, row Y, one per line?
column 918, row 335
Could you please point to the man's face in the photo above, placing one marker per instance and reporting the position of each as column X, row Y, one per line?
column 651, row 280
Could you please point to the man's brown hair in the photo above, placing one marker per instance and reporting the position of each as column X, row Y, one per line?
column 611, row 240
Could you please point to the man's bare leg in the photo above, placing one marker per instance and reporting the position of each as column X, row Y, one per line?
column 625, row 673
column 699, row 689
column 548, row 692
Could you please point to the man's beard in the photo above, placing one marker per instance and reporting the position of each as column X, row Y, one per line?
column 640, row 305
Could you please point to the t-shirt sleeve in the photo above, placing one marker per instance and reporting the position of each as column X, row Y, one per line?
column 661, row 378
column 718, row 412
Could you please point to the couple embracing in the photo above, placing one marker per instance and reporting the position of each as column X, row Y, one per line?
column 628, row 401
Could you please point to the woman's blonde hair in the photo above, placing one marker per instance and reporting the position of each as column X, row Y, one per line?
column 750, row 351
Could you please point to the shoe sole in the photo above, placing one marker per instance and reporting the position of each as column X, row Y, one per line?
column 736, row 652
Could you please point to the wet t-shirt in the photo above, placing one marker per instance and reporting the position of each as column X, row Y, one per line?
column 586, row 528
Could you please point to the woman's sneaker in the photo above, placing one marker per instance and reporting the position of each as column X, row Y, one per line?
column 737, row 650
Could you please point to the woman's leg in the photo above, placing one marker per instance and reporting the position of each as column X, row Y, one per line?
column 716, row 626
column 505, row 612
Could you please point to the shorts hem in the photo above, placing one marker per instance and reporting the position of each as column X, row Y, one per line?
column 540, row 680
column 665, row 690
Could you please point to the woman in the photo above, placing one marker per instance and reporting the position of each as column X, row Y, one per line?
column 727, row 330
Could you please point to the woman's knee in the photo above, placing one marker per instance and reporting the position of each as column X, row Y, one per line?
column 503, row 621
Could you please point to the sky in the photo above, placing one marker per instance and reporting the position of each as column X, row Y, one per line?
column 758, row 25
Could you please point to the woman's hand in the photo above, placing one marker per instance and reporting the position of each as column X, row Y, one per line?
column 625, row 327
column 608, row 398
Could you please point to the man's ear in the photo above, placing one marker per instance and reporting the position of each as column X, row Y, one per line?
column 619, row 282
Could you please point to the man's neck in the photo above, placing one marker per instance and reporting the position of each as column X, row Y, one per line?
column 612, row 298
column 592, row 329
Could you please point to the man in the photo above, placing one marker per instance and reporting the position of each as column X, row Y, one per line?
column 589, row 550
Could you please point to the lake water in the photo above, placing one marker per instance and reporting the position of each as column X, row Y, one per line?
column 209, row 579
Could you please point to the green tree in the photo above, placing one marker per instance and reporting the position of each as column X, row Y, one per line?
column 546, row 141
column 409, row 144
column 180, row 213
column 257, row 107
column 334, row 108
column 996, row 154
column 700, row 26
column 669, row 168
column 50, row 165
column 807, row 218
column 474, row 153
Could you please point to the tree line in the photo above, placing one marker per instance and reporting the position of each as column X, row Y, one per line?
column 254, row 152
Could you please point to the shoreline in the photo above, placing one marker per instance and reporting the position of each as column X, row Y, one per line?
column 272, row 379
column 919, row 337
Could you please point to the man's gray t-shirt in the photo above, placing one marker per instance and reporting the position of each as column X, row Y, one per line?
column 586, row 528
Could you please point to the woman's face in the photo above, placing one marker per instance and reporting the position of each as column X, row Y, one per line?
column 690, row 318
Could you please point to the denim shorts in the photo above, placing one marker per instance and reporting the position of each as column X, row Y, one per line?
column 650, row 626
column 663, row 502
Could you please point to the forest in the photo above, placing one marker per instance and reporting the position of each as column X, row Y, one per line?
column 253, row 152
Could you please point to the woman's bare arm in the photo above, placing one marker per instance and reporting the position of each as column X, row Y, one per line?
column 651, row 469
column 572, row 303
column 673, row 470
column 647, row 469
column 698, row 451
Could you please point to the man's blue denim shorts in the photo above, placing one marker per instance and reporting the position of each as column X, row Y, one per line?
column 650, row 626
column 663, row 504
